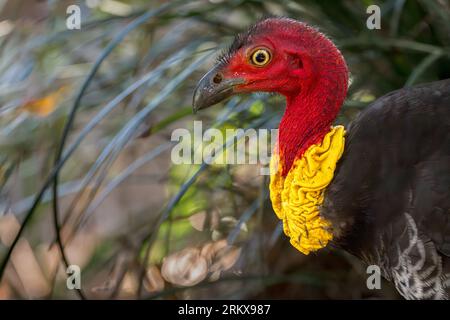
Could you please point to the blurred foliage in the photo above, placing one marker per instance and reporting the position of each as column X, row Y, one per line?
column 136, row 224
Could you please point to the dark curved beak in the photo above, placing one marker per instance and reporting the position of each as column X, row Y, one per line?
column 213, row 88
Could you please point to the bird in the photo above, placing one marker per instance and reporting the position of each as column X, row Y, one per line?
column 379, row 187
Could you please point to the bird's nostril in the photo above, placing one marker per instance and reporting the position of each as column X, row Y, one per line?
column 217, row 78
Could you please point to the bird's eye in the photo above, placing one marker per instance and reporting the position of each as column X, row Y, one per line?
column 260, row 57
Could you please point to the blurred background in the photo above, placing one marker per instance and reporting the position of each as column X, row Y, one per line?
column 86, row 118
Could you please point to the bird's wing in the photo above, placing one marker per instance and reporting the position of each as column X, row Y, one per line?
column 399, row 141
column 432, row 200
column 396, row 163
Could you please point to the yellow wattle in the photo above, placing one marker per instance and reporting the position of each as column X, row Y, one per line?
column 296, row 198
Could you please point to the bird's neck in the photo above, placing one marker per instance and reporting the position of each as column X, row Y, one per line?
column 307, row 119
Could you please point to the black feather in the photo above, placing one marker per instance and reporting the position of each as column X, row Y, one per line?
column 394, row 174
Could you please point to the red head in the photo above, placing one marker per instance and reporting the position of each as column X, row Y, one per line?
column 288, row 57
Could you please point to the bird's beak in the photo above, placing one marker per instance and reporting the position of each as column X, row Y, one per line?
column 213, row 88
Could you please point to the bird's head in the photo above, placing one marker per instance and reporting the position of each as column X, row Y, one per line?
column 288, row 57
column 278, row 55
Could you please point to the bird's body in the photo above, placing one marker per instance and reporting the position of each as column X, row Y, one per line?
column 389, row 201
column 381, row 190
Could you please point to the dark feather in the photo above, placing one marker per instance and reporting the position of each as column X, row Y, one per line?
column 394, row 177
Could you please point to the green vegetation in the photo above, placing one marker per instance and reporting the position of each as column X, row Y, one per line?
column 86, row 116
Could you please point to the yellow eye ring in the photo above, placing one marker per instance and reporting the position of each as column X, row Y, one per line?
column 260, row 57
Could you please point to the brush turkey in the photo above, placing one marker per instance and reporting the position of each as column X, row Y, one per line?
column 379, row 188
